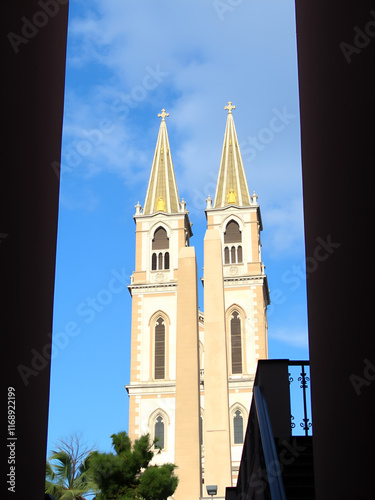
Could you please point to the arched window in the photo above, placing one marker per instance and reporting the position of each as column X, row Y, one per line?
column 232, row 238
column 238, row 427
column 236, row 341
column 159, row 367
column 233, row 255
column 159, row 432
column 154, row 262
column 158, row 425
column 239, row 255
column 226, row 255
column 166, row 260
column 160, row 259
column 232, row 233
column 160, row 240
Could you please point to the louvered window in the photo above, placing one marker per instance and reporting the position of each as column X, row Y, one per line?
column 166, row 260
column 159, row 432
column 226, row 255
column 160, row 349
column 160, row 261
column 238, row 428
column 154, row 262
column 232, row 233
column 160, row 241
column 236, row 347
column 239, row 255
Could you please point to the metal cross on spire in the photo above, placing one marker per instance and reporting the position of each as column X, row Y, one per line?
column 163, row 114
column 229, row 107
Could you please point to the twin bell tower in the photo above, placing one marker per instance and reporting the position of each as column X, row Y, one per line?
column 192, row 372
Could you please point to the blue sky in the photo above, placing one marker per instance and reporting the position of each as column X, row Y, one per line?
column 126, row 61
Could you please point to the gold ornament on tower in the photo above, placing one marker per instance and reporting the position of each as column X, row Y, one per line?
column 160, row 205
column 232, row 196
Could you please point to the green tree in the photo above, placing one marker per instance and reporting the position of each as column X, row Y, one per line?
column 127, row 473
column 67, row 474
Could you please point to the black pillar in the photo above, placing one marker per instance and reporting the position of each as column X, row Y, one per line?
column 336, row 64
column 33, row 63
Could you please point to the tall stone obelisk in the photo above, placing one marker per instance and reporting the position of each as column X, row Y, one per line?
column 217, row 448
column 187, row 419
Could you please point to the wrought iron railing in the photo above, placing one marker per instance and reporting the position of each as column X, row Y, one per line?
column 281, row 395
column 299, row 387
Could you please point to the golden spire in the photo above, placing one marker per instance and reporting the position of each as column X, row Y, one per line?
column 162, row 193
column 231, row 186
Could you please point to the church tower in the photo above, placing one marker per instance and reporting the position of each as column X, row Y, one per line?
column 234, row 217
column 192, row 373
column 162, row 230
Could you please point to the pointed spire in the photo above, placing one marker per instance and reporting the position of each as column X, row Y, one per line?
column 162, row 194
column 231, row 186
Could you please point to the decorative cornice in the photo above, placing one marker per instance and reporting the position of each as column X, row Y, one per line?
column 151, row 388
column 243, row 279
column 152, row 287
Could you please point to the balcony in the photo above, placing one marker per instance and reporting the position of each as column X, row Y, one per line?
column 277, row 457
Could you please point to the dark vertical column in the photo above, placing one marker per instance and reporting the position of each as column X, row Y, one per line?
column 33, row 62
column 273, row 376
column 336, row 54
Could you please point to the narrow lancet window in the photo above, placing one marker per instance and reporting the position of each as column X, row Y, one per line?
column 238, row 428
column 160, row 261
column 236, row 347
column 233, row 255
column 226, row 256
column 160, row 349
column 166, row 260
column 239, row 255
column 159, row 432
column 154, row 262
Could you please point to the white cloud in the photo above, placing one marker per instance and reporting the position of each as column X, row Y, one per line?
column 208, row 62
column 86, row 200
column 295, row 337
column 283, row 227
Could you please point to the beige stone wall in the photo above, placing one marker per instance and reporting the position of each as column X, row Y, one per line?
column 217, row 449
column 187, row 450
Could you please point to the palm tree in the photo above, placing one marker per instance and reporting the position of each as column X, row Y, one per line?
column 67, row 472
